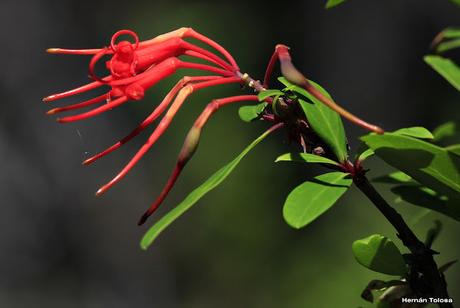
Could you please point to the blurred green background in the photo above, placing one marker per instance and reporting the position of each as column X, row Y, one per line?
column 62, row 247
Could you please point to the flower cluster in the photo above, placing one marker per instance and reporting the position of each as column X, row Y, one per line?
column 136, row 66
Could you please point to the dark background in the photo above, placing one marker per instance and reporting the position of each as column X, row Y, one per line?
column 63, row 247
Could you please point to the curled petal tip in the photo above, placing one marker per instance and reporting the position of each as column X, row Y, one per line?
column 87, row 161
column 52, row 50
column 100, row 191
column 48, row 98
column 379, row 130
column 143, row 219
column 52, row 111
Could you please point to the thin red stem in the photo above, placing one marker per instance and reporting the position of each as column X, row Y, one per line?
column 218, row 47
column 208, row 54
column 270, row 67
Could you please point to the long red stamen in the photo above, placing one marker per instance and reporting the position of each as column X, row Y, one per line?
column 163, row 125
column 79, row 105
column 152, row 117
column 85, row 88
column 110, row 105
column 189, row 147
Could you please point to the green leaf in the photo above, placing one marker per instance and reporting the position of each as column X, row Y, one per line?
column 251, row 112
column 324, row 121
column 365, row 155
column 211, row 183
column 452, row 32
column 455, row 149
column 397, row 177
column 448, row 45
column 427, row 198
column 448, row 69
column 380, row 254
column 332, row 3
column 444, row 130
column 267, row 93
column 425, row 162
column 312, row 198
column 457, row 2
column 416, row 132
column 306, row 158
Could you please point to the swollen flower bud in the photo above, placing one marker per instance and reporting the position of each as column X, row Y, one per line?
column 190, row 145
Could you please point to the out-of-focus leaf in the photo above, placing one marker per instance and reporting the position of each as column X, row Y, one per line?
column 397, row 177
column 428, row 198
column 446, row 68
column 433, row 233
column 457, row 2
column 454, row 149
column 324, row 121
column 306, row 158
column 446, row 266
column 380, row 254
column 211, row 183
column 251, row 112
column 425, row 162
column 444, row 130
column 312, row 198
column 267, row 93
column 332, row 3
column 451, row 32
column 448, row 45
column 416, row 132
column 365, row 155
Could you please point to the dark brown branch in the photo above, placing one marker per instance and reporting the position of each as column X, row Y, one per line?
column 431, row 282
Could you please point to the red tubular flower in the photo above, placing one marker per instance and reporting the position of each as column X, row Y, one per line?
column 136, row 66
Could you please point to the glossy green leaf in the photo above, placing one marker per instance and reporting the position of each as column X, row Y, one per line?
column 267, row 93
column 454, row 149
column 430, row 165
column 251, row 112
column 444, row 131
column 427, row 198
column 305, row 158
column 446, row 68
column 324, row 121
column 448, row 45
column 380, row 254
column 397, row 177
column 312, row 198
column 333, row 3
column 199, row 192
column 416, row 132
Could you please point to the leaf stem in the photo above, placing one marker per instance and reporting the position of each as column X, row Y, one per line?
column 430, row 282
